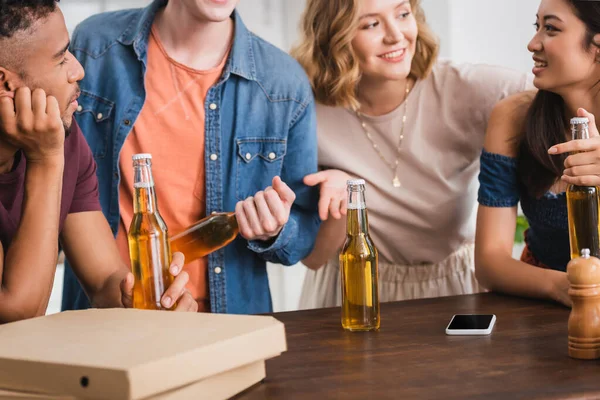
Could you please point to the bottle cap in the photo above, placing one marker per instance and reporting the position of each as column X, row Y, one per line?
column 355, row 182
column 585, row 253
column 142, row 156
column 579, row 120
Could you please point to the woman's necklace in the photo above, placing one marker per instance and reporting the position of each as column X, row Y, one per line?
column 393, row 166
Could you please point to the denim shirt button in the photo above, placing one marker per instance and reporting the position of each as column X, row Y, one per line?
column 248, row 156
column 214, row 157
column 99, row 116
column 79, row 108
column 212, row 106
column 272, row 156
column 218, row 270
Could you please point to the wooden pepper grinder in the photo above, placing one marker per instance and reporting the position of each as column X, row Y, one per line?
column 584, row 322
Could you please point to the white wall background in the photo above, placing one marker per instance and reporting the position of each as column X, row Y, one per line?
column 481, row 31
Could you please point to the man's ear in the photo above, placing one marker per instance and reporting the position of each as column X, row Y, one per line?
column 9, row 81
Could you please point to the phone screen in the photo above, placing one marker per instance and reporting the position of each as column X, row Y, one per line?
column 465, row 322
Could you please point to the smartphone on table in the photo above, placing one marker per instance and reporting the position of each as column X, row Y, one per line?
column 471, row 324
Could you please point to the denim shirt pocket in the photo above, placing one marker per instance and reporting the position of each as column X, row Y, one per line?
column 95, row 117
column 259, row 160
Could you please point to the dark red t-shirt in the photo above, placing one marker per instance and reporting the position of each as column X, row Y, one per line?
column 79, row 191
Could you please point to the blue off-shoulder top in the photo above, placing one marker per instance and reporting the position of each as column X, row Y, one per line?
column 548, row 233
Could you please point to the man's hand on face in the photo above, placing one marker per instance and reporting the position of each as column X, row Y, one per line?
column 31, row 121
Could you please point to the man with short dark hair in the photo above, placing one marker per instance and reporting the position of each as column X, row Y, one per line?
column 48, row 184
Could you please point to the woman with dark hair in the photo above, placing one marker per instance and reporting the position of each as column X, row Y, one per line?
column 526, row 155
column 413, row 127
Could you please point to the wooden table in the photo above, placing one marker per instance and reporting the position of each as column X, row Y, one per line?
column 411, row 357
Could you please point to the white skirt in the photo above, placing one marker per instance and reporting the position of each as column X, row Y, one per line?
column 455, row 275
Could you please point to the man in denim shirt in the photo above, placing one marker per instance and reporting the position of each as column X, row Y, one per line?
column 228, row 118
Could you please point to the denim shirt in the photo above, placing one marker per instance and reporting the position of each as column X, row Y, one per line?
column 260, row 122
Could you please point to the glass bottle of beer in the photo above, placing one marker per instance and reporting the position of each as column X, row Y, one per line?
column 149, row 248
column 205, row 236
column 582, row 206
column 359, row 266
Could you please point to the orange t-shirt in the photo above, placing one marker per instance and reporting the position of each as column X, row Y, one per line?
column 171, row 128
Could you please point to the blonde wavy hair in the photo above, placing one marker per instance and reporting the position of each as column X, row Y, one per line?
column 325, row 50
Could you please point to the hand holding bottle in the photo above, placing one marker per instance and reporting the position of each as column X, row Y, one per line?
column 175, row 293
column 262, row 216
column 583, row 167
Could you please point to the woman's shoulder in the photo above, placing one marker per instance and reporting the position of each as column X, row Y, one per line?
column 507, row 123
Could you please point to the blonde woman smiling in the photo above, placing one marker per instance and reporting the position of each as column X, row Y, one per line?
column 413, row 128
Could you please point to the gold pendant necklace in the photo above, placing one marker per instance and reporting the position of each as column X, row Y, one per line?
column 393, row 166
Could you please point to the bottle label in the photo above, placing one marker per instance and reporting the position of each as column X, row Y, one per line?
column 357, row 206
column 142, row 185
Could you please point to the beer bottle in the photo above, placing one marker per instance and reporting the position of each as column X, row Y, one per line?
column 149, row 248
column 359, row 266
column 205, row 236
column 582, row 206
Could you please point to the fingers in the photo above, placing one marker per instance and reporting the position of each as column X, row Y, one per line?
column 334, row 207
column 175, row 291
column 276, row 206
column 585, row 158
column 287, row 195
column 574, row 146
column 582, row 170
column 177, row 263
column 263, row 215
column 242, row 221
column 187, row 303
column 252, row 217
column 10, row 95
column 52, row 107
column 324, row 201
column 582, row 112
column 38, row 103
column 583, row 144
column 7, row 115
column 127, row 290
column 344, row 206
column 586, row 180
column 23, row 109
column 315, row 179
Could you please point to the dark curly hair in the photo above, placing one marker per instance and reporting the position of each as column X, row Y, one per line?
column 19, row 15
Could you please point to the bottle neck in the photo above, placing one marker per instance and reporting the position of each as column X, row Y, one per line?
column 580, row 131
column 356, row 220
column 145, row 195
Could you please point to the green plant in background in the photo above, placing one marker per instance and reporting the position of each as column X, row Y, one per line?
column 522, row 226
